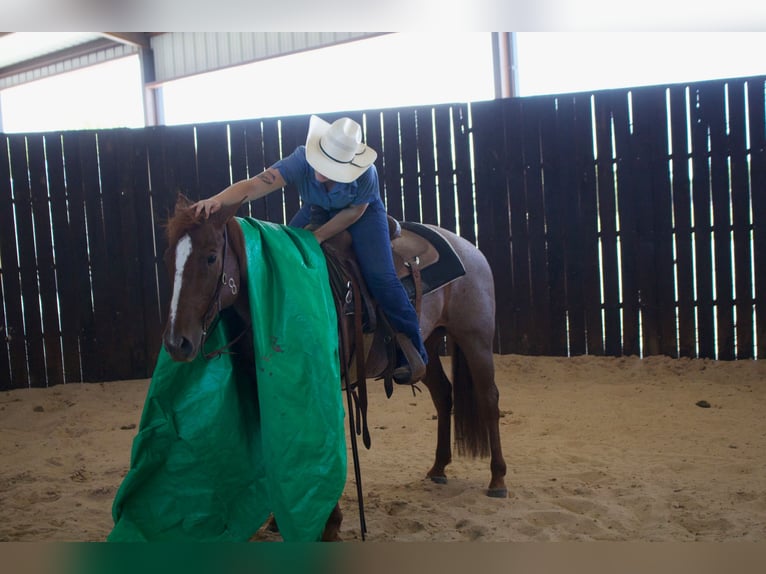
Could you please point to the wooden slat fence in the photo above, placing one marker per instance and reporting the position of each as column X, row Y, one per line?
column 620, row 222
column 651, row 235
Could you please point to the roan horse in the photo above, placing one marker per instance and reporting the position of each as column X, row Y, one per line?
column 203, row 252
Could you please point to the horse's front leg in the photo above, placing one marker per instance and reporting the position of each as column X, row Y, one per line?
column 332, row 527
column 441, row 394
column 331, row 532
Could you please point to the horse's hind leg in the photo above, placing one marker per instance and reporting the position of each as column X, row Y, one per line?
column 477, row 357
column 441, row 394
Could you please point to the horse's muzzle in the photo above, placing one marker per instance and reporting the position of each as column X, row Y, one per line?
column 180, row 348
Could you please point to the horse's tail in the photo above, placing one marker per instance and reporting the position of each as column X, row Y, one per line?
column 471, row 437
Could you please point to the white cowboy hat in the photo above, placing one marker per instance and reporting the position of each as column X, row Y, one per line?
column 336, row 150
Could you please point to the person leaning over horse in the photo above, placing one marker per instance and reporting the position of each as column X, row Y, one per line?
column 338, row 186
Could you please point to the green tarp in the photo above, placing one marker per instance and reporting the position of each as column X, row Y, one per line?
column 211, row 459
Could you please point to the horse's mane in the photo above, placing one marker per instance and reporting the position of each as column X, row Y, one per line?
column 183, row 220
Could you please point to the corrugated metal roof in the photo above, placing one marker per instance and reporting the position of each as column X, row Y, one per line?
column 69, row 65
column 29, row 56
column 19, row 46
column 179, row 54
column 175, row 54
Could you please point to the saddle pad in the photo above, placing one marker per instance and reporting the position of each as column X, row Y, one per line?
column 445, row 269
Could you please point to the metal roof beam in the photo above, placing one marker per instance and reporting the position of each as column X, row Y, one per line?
column 140, row 40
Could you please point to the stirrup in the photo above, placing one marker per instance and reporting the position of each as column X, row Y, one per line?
column 415, row 368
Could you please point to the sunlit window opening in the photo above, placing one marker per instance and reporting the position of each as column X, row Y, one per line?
column 391, row 70
column 556, row 62
column 386, row 71
column 107, row 95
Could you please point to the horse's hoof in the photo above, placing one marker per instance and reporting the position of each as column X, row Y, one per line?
column 438, row 479
column 332, row 538
column 497, row 492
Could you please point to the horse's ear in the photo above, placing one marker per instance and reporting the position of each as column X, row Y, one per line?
column 223, row 215
column 182, row 201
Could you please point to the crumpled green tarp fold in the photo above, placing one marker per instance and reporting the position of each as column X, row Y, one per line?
column 211, row 459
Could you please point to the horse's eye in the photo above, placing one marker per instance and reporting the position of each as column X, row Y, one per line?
column 211, row 258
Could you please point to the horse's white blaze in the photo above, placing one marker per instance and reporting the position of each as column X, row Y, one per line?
column 183, row 250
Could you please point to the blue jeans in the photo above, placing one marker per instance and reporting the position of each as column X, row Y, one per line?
column 372, row 244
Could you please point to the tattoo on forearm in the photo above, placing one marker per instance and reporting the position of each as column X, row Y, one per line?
column 267, row 178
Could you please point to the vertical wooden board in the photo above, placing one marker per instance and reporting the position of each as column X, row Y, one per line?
column 427, row 165
column 136, row 228
column 64, row 253
column 139, row 199
column 126, row 296
column 180, row 164
column 238, row 150
column 702, row 226
column 555, row 218
column 410, row 175
column 715, row 114
column 238, row 158
column 644, row 142
column 46, row 272
column 33, row 332
column 391, row 176
column 110, row 280
column 112, row 295
column 256, row 164
column 605, row 170
column 662, row 213
column 5, row 208
column 164, row 192
column 5, row 362
column 373, row 137
column 588, row 215
column 757, row 115
column 682, row 209
column 492, row 211
column 13, row 336
column 568, row 179
column 464, row 177
column 646, row 271
column 519, row 237
column 97, row 357
column 627, row 212
column 740, row 198
column 444, row 168
column 534, row 111
column 213, row 169
column 293, row 134
column 272, row 152
column 79, row 271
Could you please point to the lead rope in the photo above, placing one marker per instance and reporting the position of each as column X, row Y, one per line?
column 350, row 398
column 336, row 277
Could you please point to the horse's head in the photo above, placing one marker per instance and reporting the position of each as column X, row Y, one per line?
column 204, row 274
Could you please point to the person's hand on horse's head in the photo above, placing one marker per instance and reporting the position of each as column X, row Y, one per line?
column 206, row 206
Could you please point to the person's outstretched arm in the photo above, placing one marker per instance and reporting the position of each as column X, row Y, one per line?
column 242, row 191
